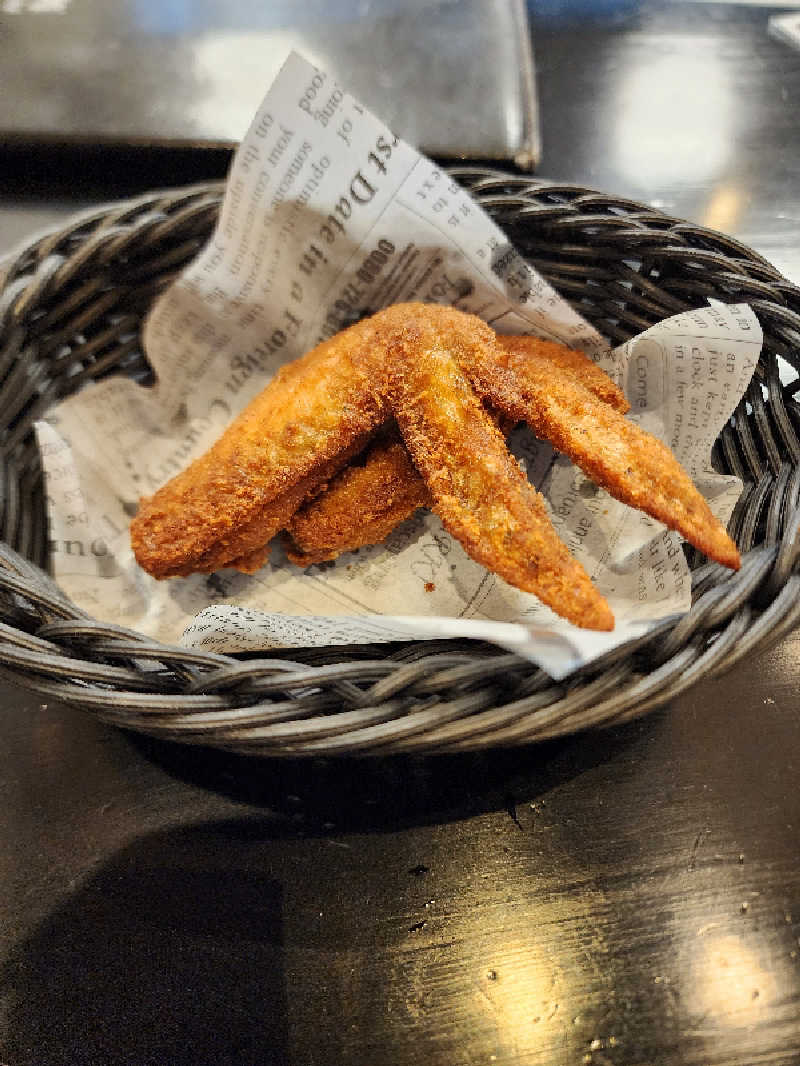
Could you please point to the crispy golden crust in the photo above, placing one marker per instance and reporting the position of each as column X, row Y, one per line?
column 431, row 367
column 522, row 354
column 478, row 489
column 361, row 506
column 632, row 465
column 313, row 409
column 364, row 504
column 247, row 548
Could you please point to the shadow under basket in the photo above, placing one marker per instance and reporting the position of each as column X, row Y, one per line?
column 71, row 308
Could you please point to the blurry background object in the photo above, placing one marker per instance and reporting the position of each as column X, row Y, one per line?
column 454, row 77
column 786, row 28
column 691, row 107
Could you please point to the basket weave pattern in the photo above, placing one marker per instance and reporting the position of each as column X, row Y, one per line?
column 71, row 307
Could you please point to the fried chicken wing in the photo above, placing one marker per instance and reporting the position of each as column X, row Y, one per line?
column 520, row 354
column 247, row 548
column 362, row 505
column 314, row 409
column 438, row 371
column 631, row 464
column 478, row 489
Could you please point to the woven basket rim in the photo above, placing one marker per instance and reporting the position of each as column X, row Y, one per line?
column 422, row 698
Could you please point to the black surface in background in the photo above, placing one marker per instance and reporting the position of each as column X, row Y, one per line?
column 104, row 172
column 170, row 953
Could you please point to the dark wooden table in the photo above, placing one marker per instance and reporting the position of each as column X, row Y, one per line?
column 628, row 897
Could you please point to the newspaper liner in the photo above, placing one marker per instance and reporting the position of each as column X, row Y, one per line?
column 327, row 216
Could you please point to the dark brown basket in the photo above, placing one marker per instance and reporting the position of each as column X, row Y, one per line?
column 71, row 307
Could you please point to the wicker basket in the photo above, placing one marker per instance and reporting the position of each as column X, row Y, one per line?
column 71, row 305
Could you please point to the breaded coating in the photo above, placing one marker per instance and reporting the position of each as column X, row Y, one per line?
column 630, row 464
column 478, row 489
column 361, row 506
column 283, row 463
column 519, row 354
column 247, row 548
column 312, row 410
column 364, row 504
